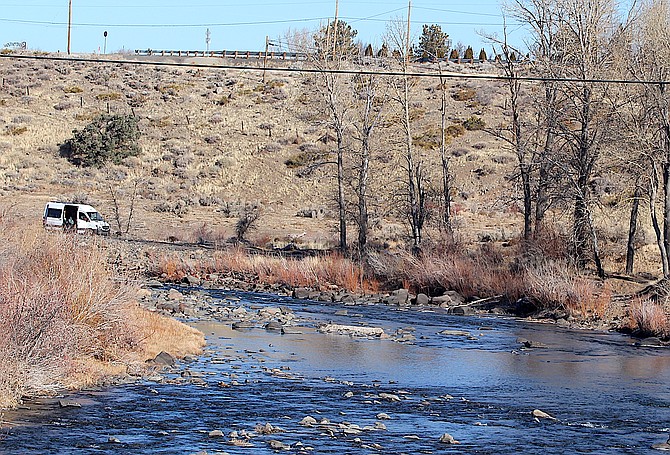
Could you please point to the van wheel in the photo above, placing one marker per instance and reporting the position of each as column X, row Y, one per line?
column 90, row 232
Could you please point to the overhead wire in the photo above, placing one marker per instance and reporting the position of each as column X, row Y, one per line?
column 337, row 71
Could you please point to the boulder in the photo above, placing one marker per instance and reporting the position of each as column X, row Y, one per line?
column 462, row 310
column 446, row 438
column 191, row 280
column 531, row 344
column 401, row 295
column 301, row 293
column 274, row 326
column 278, row 445
column 68, row 404
column 308, row 421
column 163, row 359
column 351, row 330
column 422, row 299
column 542, row 415
column 216, row 434
column 238, row 325
column 665, row 446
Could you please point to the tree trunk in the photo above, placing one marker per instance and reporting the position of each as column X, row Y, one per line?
column 527, row 201
column 412, row 195
column 580, row 228
column 362, row 196
column 653, row 194
column 446, row 177
column 340, row 192
column 632, row 229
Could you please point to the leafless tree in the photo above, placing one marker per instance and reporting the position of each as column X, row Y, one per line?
column 577, row 41
column 650, row 48
column 397, row 37
column 370, row 98
column 333, row 88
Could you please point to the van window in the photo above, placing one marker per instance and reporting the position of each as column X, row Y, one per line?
column 54, row 213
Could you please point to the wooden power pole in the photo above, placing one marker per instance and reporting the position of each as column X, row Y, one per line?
column 265, row 57
column 409, row 13
column 335, row 29
column 69, row 25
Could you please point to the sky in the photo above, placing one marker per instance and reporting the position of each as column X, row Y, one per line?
column 172, row 25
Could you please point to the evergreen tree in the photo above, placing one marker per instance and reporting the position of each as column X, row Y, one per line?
column 433, row 42
column 482, row 55
column 344, row 35
column 469, row 53
column 106, row 138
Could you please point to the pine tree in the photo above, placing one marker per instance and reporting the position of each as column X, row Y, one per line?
column 433, row 42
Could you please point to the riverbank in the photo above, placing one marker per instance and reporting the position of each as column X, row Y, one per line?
column 67, row 321
column 463, row 282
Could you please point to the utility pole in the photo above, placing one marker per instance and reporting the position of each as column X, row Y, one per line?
column 208, row 38
column 409, row 12
column 265, row 57
column 104, row 49
column 335, row 27
column 69, row 25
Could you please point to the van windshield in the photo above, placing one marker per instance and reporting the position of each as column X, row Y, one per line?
column 95, row 216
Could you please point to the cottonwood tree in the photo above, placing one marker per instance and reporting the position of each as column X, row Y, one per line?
column 545, row 20
column 512, row 133
column 333, row 87
column 586, row 39
column 370, row 98
column 650, row 49
column 397, row 36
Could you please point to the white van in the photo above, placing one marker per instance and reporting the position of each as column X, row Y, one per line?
column 70, row 217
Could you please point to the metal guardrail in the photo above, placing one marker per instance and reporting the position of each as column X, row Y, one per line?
column 225, row 54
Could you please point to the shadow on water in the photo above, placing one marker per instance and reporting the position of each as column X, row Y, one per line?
column 609, row 397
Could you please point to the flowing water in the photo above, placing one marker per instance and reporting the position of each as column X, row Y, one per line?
column 608, row 395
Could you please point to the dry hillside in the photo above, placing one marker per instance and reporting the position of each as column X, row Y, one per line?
column 215, row 139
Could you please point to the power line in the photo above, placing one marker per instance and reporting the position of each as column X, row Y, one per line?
column 491, row 77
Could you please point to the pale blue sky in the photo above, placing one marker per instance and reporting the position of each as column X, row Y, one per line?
column 172, row 25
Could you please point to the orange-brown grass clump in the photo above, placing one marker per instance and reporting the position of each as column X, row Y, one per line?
column 314, row 271
column 649, row 319
column 64, row 321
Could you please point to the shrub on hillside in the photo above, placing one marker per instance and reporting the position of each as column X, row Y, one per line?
column 474, row 123
column 106, row 138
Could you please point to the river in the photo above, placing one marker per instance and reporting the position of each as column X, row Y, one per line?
column 608, row 395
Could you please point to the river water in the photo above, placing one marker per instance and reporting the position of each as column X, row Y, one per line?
column 608, row 396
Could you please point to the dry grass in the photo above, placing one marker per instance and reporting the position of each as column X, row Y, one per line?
column 649, row 319
column 317, row 271
column 63, row 320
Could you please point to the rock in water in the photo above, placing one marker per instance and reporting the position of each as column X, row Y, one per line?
column 163, row 359
column 446, row 438
column 278, row 445
column 69, row 404
column 665, row 446
column 542, row 415
column 216, row 434
column 308, row 421
column 353, row 331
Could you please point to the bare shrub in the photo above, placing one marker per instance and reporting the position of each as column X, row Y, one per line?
column 247, row 221
column 272, row 147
